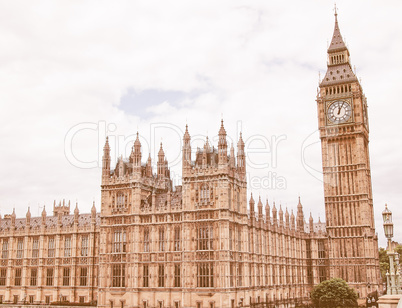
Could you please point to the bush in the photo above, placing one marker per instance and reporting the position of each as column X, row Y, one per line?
column 334, row 293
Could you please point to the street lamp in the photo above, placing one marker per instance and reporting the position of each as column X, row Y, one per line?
column 393, row 279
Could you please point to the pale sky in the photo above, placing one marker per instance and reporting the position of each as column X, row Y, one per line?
column 73, row 71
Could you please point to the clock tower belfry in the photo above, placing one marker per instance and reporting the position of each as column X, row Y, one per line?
column 344, row 133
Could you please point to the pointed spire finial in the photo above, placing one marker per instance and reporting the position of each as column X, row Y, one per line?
column 337, row 42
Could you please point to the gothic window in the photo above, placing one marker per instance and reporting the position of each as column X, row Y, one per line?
column 83, row 276
column 310, row 275
column 3, row 276
column 204, row 237
column 4, row 250
column 67, row 246
column 34, row 276
column 20, row 248
column 308, row 250
column 49, row 277
column 239, row 239
column 249, row 240
column 230, row 198
column 120, row 200
column 205, row 275
column 231, row 274
column 17, row 277
column 230, row 239
column 177, row 241
column 84, row 245
column 177, row 278
column 145, row 279
column 146, row 240
column 257, row 246
column 118, row 275
column 321, row 273
column 266, row 275
column 35, row 248
column 66, row 276
column 161, row 276
column 250, row 281
column 257, row 274
column 240, row 275
column 50, row 251
column 119, row 241
column 204, row 194
column 161, row 239
column 321, row 250
column 238, row 201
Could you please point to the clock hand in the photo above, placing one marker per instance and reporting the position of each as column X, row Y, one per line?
column 339, row 110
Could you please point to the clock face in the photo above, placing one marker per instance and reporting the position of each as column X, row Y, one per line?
column 339, row 112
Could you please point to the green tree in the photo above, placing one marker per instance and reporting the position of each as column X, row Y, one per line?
column 334, row 293
column 384, row 263
column 384, row 260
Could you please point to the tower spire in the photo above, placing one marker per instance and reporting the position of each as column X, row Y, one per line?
column 339, row 67
column 337, row 43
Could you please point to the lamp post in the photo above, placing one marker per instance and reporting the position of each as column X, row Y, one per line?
column 393, row 278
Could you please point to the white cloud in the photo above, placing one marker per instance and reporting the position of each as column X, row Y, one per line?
column 66, row 63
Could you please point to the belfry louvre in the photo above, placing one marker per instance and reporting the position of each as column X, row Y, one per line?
column 203, row 244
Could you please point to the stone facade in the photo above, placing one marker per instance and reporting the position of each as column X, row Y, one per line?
column 203, row 244
column 49, row 258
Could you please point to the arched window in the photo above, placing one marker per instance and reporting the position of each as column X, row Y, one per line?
column 204, row 237
column 204, row 193
column 120, row 200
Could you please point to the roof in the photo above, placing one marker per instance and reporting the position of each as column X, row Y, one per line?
column 51, row 221
column 342, row 73
column 337, row 42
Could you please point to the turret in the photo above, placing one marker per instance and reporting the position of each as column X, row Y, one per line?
column 222, row 146
column 232, row 161
column 106, row 160
column 241, row 156
column 186, row 149
column 274, row 215
column 252, row 211
column 207, row 149
column 260, row 216
column 93, row 213
column 267, row 213
column 44, row 216
column 28, row 217
column 148, row 167
column 13, row 216
column 300, row 217
column 76, row 214
column 59, row 219
column 136, row 156
column 161, row 163
column 292, row 221
column 280, row 215
column 287, row 222
column 311, row 223
column 121, row 167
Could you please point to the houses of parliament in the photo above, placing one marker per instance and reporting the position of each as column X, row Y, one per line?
column 204, row 244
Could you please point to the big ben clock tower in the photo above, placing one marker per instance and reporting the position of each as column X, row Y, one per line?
column 344, row 133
